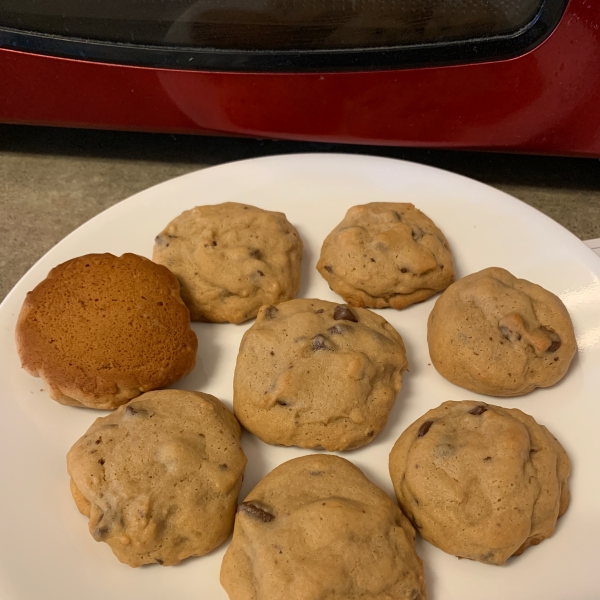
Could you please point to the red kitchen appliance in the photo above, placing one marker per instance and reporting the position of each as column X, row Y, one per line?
column 511, row 75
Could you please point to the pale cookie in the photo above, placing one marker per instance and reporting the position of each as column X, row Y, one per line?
column 101, row 329
column 316, row 527
column 159, row 478
column 231, row 259
column 495, row 334
column 316, row 374
column 386, row 254
column 480, row 481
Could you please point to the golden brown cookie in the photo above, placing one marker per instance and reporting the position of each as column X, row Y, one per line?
column 495, row 334
column 101, row 329
column 316, row 527
column 480, row 481
column 312, row 373
column 231, row 259
column 386, row 254
column 159, row 478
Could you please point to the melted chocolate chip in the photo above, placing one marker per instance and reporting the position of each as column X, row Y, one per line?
column 343, row 313
column 100, row 533
column 319, row 343
column 336, row 329
column 554, row 346
column 417, row 233
column 255, row 512
column 478, row 410
column 424, row 428
column 137, row 411
column 270, row 312
column 328, row 268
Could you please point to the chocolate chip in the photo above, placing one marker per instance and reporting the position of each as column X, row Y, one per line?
column 254, row 252
column 328, row 268
column 214, row 243
column 140, row 412
column 373, row 260
column 255, row 512
column 554, row 346
column 343, row 313
column 159, row 561
column 223, row 467
column 270, row 312
column 478, row 410
column 315, row 473
column 319, row 342
column 272, row 353
column 282, row 402
column 100, row 533
column 321, row 310
column 403, row 270
column 417, row 233
column 487, row 459
column 424, row 428
column 260, row 273
column 101, row 461
column 335, row 329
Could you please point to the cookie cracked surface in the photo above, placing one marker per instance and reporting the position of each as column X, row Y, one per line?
column 480, row 481
column 101, row 329
column 386, row 254
column 312, row 373
column 495, row 334
column 159, row 478
column 231, row 259
column 330, row 533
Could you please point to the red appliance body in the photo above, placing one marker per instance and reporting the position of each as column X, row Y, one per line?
column 544, row 101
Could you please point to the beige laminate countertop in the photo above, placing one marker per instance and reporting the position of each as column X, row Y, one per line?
column 53, row 180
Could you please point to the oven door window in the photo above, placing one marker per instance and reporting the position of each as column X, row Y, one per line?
column 306, row 34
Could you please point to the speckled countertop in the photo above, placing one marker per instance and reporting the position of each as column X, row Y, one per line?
column 53, row 180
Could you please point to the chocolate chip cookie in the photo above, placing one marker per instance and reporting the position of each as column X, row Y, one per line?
column 101, row 329
column 231, row 259
column 159, row 478
column 495, row 334
column 386, row 254
column 316, row 374
column 480, row 481
column 316, row 527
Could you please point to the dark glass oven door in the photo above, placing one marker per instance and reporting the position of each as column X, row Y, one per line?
column 279, row 35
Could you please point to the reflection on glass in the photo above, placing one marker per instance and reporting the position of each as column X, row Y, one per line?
column 271, row 24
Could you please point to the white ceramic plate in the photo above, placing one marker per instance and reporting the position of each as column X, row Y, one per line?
column 46, row 551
